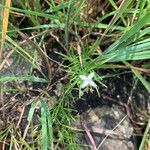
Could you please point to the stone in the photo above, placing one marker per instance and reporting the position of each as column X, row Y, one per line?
column 109, row 126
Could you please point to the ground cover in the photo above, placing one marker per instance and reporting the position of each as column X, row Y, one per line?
column 60, row 59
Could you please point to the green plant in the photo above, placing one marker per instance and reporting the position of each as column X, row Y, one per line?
column 128, row 30
column 82, row 66
column 145, row 137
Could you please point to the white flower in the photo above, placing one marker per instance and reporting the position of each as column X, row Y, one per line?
column 87, row 80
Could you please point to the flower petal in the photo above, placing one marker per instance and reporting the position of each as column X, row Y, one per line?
column 92, row 83
column 83, row 77
column 84, row 84
column 91, row 75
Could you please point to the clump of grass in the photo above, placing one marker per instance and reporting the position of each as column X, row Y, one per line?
column 79, row 65
column 130, row 21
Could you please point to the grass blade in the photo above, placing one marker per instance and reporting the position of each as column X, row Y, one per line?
column 140, row 77
column 47, row 134
column 145, row 135
column 44, row 126
column 31, row 111
column 34, row 13
column 50, row 131
column 27, row 78
column 130, row 33
column 4, row 25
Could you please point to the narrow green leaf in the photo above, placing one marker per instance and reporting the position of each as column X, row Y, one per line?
column 130, row 33
column 140, row 77
column 145, row 135
column 128, row 56
column 44, row 126
column 59, row 7
column 99, row 25
column 147, row 66
column 123, row 8
column 28, row 78
column 136, row 51
column 37, row 5
column 18, row 47
column 47, row 133
column 11, row 139
column 50, row 130
column 31, row 111
column 34, row 13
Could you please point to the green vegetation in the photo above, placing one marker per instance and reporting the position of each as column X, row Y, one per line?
column 114, row 38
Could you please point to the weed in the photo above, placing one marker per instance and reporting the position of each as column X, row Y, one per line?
column 113, row 39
